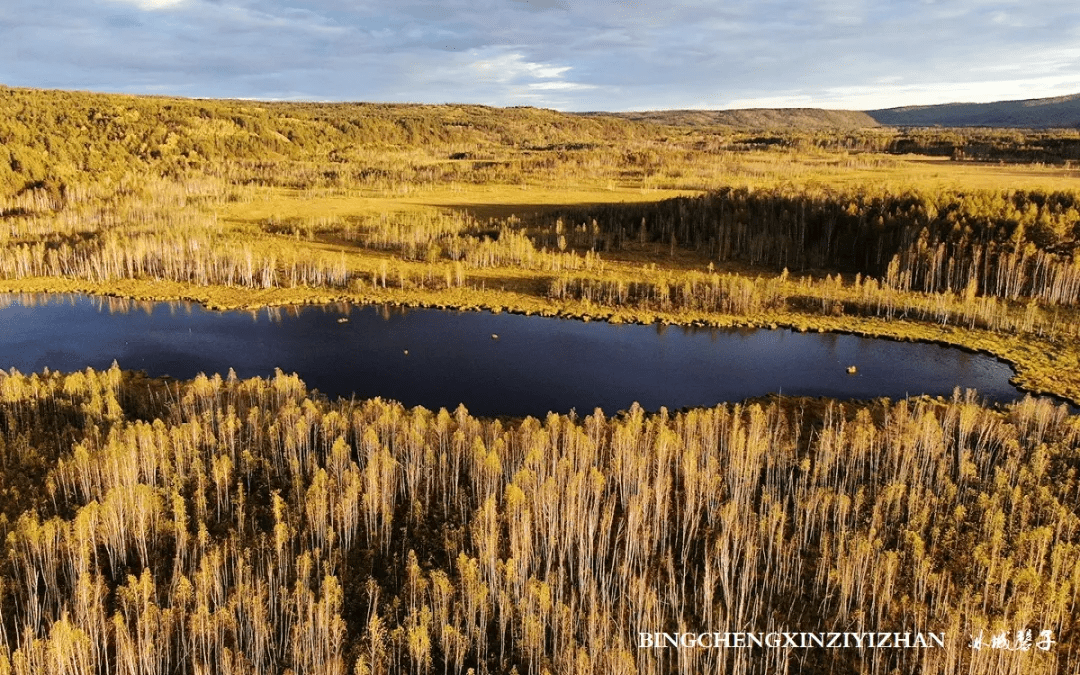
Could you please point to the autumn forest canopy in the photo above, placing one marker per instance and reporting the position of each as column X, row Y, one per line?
column 252, row 526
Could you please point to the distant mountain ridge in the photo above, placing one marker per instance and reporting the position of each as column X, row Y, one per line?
column 755, row 118
column 1060, row 112
column 1033, row 113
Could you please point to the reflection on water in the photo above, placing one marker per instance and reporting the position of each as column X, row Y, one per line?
column 113, row 305
column 441, row 358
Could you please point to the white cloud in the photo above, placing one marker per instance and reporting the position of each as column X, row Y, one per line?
column 783, row 101
column 892, row 95
column 561, row 86
column 569, row 54
column 150, row 5
column 843, row 12
column 511, row 67
column 514, row 79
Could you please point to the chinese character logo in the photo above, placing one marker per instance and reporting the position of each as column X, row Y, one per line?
column 1021, row 642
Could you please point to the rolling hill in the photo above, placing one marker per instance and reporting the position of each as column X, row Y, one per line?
column 1061, row 112
column 754, row 118
column 1034, row 113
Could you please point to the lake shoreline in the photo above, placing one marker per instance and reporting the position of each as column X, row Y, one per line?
column 1033, row 361
column 720, row 322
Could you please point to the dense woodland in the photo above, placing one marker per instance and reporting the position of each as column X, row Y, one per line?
column 1008, row 245
column 243, row 526
column 226, row 526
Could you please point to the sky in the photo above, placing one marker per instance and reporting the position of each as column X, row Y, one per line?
column 572, row 55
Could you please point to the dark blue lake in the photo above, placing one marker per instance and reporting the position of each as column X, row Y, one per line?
column 438, row 358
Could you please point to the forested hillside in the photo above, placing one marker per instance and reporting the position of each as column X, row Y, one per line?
column 55, row 138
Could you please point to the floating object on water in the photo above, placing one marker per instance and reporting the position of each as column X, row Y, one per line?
column 494, row 336
column 406, row 352
column 343, row 320
column 852, row 370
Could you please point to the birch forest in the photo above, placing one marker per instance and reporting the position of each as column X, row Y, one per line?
column 221, row 525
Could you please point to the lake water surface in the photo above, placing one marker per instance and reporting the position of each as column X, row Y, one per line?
column 438, row 358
